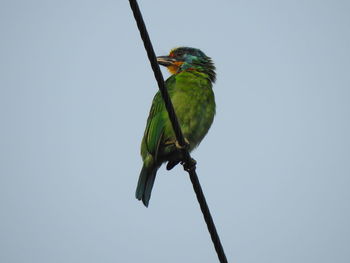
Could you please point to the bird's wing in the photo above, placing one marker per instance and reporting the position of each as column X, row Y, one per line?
column 155, row 125
column 157, row 119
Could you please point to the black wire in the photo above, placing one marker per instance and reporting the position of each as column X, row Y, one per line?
column 188, row 162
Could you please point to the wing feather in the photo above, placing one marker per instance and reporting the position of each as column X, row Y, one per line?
column 157, row 120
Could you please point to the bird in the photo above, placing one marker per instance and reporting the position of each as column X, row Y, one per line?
column 191, row 92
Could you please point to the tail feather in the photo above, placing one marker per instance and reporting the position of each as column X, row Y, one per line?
column 145, row 184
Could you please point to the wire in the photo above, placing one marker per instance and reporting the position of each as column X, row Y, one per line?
column 188, row 163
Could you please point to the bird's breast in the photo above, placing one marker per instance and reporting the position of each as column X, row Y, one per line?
column 195, row 108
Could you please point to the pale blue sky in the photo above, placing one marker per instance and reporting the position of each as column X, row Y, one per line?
column 75, row 91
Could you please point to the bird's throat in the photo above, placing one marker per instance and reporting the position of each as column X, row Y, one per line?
column 174, row 68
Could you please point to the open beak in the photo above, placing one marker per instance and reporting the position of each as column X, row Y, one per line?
column 165, row 61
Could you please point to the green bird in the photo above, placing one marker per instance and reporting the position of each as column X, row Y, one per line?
column 190, row 90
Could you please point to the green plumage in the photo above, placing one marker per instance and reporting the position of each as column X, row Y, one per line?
column 190, row 90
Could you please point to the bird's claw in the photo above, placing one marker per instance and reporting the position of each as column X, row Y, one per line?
column 181, row 147
column 171, row 164
column 189, row 165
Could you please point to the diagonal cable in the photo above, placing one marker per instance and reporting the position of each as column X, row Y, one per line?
column 188, row 162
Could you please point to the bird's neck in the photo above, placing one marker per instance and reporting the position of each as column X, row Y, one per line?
column 207, row 70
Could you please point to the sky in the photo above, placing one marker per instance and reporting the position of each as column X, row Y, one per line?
column 75, row 92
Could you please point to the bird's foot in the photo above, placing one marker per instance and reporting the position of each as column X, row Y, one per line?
column 171, row 164
column 181, row 147
column 190, row 165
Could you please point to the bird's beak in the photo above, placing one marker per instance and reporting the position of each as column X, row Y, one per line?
column 165, row 61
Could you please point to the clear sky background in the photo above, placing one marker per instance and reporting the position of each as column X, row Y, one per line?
column 75, row 91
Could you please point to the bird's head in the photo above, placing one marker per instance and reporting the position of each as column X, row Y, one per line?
column 187, row 58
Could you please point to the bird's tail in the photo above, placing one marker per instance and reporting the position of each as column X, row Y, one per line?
column 145, row 183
